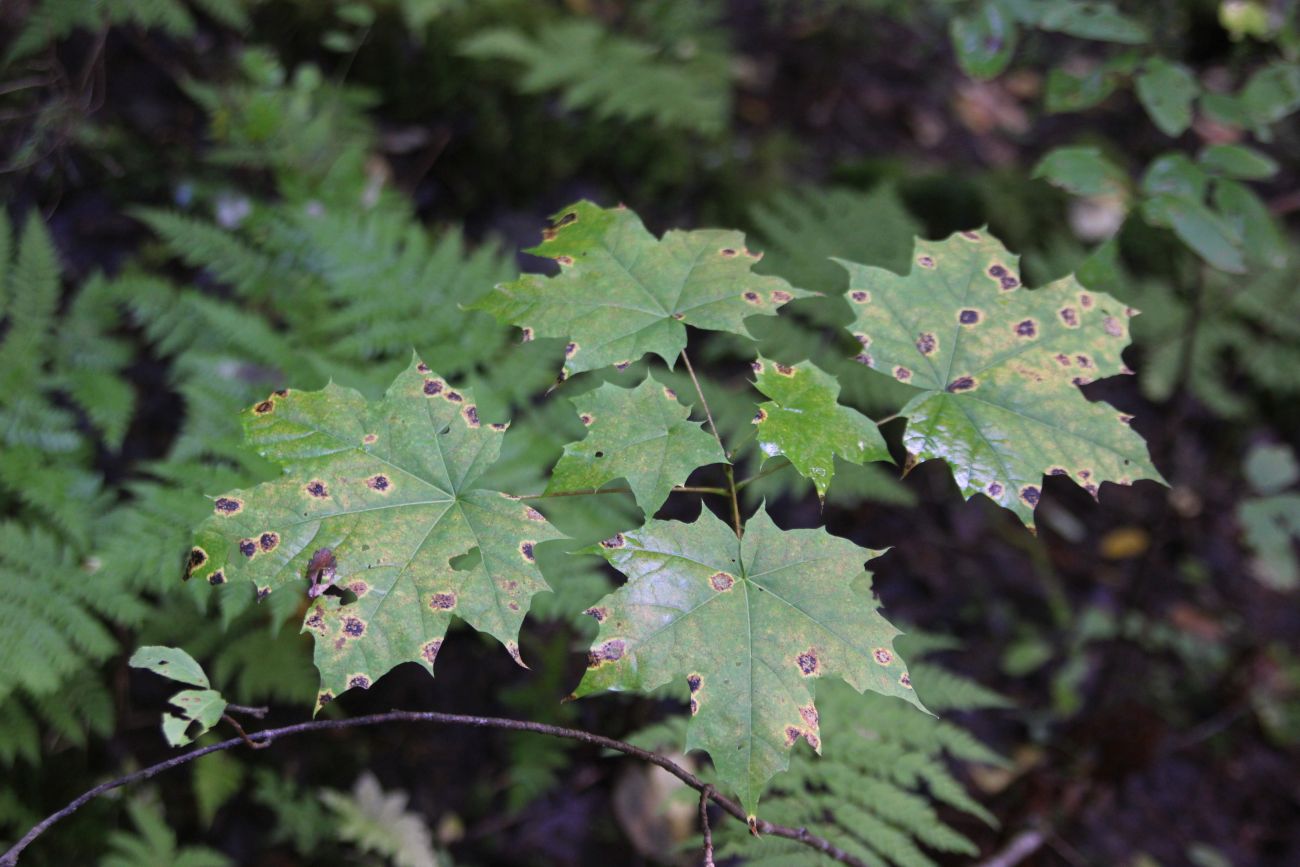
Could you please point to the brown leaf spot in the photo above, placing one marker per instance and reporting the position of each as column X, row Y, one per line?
column 902, row 374
column 995, row 490
column 262, row 593
column 526, row 551
column 513, row 650
column 622, row 366
column 962, row 383
column 810, row 716
column 1062, row 359
column 862, row 339
column 780, row 296
column 422, row 367
column 227, row 506
column 926, row 343
column 1112, row 326
column 1058, row 471
column 905, row 680
column 1009, row 282
column 268, row 540
column 1130, row 312
column 694, row 681
column 813, row 741
column 727, row 253
column 264, row 407
column 598, row 613
column 379, row 482
column 1027, row 328
column 444, row 601
column 1081, row 380
column 317, row 489
column 453, row 396
column 997, row 271
column 1029, row 496
column 865, row 358
column 429, row 650
column 669, row 393
column 532, row 514
column 360, row 588
column 247, row 547
column 969, row 317
column 564, row 261
column 566, row 220
column 527, row 335
column 470, row 414
column 570, row 350
column 970, row 236
column 324, row 698
column 354, row 627
column 500, row 426
column 197, row 558
column 217, row 577
column 760, row 416
column 1125, row 419
column 695, row 706
column 370, row 439
column 1085, row 300
column 860, row 297
column 358, row 681
column 752, row 297
column 808, row 662
column 1069, row 316
column 792, row 734
column 1084, row 361
column 612, row 650
column 315, row 620
column 615, row 541
column 433, row 387
column 925, row 261
column 882, row 656
column 721, row 581
column 784, row 369
column 756, row 366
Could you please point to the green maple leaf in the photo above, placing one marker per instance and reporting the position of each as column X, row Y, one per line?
column 622, row 293
column 641, row 434
column 804, row 422
column 748, row 624
column 1000, row 368
column 380, row 498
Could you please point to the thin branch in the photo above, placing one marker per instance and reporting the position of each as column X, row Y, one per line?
column 769, row 470
column 257, row 712
column 887, row 419
column 731, row 476
column 704, row 823
column 268, row 736
column 252, row 744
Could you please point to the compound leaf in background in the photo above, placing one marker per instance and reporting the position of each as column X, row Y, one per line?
column 1083, row 171
column 1091, row 20
column 641, row 434
column 1167, row 91
column 1000, row 368
column 379, row 498
column 376, row 821
column 621, row 292
column 804, row 422
column 748, row 624
column 984, row 40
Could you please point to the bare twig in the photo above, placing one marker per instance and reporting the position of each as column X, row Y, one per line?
column 704, row 824
column 267, row 736
column 258, row 712
column 249, row 742
column 731, row 476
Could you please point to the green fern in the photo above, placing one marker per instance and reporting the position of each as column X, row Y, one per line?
column 154, row 842
column 614, row 75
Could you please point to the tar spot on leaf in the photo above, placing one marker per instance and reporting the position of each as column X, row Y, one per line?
column 598, row 613
column 784, row 369
column 961, row 383
column 1112, row 326
column 997, row 271
column 760, row 416
column 926, row 343
column 1027, row 328
column 902, row 374
column 433, row 387
column 694, row 681
column 1085, row 300
column 358, row 681
column 1070, row 317
column 262, row 593
column 422, row 367
column 317, row 489
column 379, row 482
column 454, row 396
column 429, row 650
column 268, row 541
column 882, row 656
column 470, row 414
column 247, row 547
column 1029, row 494
column 227, row 506
column 217, row 577
column 810, row 715
column 443, row 601
column 354, row 627
column 925, row 261
column 526, row 549
column 905, row 681
column 968, row 317
column 721, row 581
column 995, row 490
column 860, row 297
column 808, row 662
column 780, row 296
column 264, row 407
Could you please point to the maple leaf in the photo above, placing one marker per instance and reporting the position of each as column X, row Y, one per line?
column 999, row 367
column 749, row 624
column 622, row 293
column 379, row 499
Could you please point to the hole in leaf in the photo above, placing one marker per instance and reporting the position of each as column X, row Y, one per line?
column 468, row 561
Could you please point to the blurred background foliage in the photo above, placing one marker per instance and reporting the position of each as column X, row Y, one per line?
column 210, row 199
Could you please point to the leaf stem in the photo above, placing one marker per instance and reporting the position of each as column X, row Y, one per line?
column 887, row 419
column 266, row 737
column 744, row 441
column 731, row 475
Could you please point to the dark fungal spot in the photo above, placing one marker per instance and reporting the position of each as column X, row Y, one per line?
column 527, row 335
column 433, row 387
column 756, row 366
column 1058, row 471
column 1027, row 328
column 247, row 547
column 422, row 367
column 565, row 261
column 860, row 297
column 1029, row 494
column 567, row 219
column 926, row 343
column 442, row 601
column 810, row 715
column 670, row 394
column 324, row 698
column 316, row 620
column 548, row 234
column 997, row 271
column 217, row 577
column 882, row 656
column 925, row 261
column 317, row 489
column 454, row 396
column 902, row 374
column 784, row 369
column 780, row 296
column 598, row 613
column 792, row 734
column 622, row 366
column 358, row 681
column 1062, row 359
column 694, row 681
column 1112, row 327
column 532, row 514
column 727, row 253
column 526, row 549
column 808, row 662
column 264, row 407
column 353, row 627
column 1083, row 360
column 1009, row 282
column 262, row 593
column 864, row 358
column 1069, row 316
column 227, row 506
column 612, row 650
column 600, row 454
column 905, row 681
column 268, row 540
column 760, row 416
column 370, row 439
column 679, row 316
column 1125, row 419
column 281, row 392
column 197, row 558
column 1085, row 300
column 360, row 588
column 378, row 482
column 1081, row 380
column 813, row 741
column 1091, row 488
column 721, row 581
column 615, row 541
column 995, row 489
column 429, row 650
column 695, row 706
column 961, row 383
column 752, row 297
column 470, row 414
column 968, row 317
column 570, row 349
column 970, row 236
